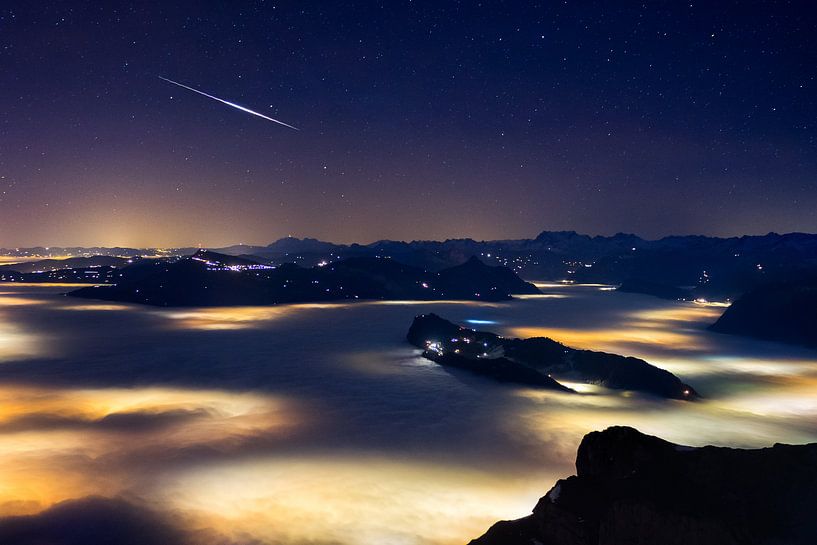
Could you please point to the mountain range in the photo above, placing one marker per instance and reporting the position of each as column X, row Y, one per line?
column 705, row 267
column 213, row 279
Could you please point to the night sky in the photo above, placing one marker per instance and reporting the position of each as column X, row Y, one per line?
column 419, row 120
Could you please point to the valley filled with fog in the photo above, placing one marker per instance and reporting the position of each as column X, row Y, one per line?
column 319, row 423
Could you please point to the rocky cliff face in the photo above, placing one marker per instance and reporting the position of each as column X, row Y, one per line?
column 635, row 489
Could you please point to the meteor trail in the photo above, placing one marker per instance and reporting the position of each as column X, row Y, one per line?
column 242, row 108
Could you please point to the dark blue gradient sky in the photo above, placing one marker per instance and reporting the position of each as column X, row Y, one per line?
column 419, row 120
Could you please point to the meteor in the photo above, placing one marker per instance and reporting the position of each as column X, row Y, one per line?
column 228, row 103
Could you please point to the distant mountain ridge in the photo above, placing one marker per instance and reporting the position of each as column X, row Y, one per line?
column 706, row 267
column 560, row 241
column 68, row 263
column 213, row 279
column 710, row 267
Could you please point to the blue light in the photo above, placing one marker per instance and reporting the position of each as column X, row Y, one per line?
column 480, row 322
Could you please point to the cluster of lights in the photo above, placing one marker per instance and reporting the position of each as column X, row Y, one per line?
column 235, row 268
column 62, row 275
column 217, row 266
column 518, row 263
column 435, row 347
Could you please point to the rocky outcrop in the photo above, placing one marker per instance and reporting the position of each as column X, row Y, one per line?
column 636, row 489
column 538, row 361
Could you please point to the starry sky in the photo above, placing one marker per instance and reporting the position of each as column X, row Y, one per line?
column 419, row 120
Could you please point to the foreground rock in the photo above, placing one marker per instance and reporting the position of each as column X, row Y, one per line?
column 632, row 488
column 213, row 279
column 538, row 361
column 785, row 312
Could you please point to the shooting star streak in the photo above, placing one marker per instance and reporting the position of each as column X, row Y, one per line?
column 242, row 108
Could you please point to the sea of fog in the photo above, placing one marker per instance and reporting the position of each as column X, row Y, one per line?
column 318, row 424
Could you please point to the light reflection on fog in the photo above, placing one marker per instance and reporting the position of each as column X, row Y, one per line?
column 55, row 442
column 319, row 423
column 250, row 317
column 352, row 498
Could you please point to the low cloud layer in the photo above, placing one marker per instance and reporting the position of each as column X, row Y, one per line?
column 320, row 424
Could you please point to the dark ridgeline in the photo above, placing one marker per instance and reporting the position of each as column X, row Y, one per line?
column 785, row 312
column 776, row 273
column 672, row 267
column 708, row 267
column 715, row 267
column 98, row 269
column 79, row 275
column 539, row 361
column 77, row 252
column 212, row 279
column 632, row 488
column 656, row 289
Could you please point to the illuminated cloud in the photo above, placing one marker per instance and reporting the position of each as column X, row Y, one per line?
column 221, row 417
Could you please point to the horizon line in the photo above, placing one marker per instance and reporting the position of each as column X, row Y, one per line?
column 415, row 240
